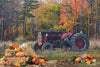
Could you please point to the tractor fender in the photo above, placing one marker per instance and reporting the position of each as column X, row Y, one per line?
column 67, row 35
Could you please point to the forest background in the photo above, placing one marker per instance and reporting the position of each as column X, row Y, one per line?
column 23, row 19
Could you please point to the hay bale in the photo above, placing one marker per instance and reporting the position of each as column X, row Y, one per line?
column 16, row 59
column 7, row 51
column 28, row 50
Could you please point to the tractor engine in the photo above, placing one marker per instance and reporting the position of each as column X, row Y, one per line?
column 51, row 37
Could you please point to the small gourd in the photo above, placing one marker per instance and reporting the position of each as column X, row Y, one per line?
column 15, row 46
column 23, row 64
column 83, row 61
column 8, row 62
column 77, row 60
column 73, row 58
column 34, row 60
column 89, row 56
column 17, row 49
column 29, row 60
column 21, row 61
column 17, row 64
column 34, row 55
column 6, row 55
column 13, row 54
column 37, row 62
column 88, row 62
column 2, row 62
column 9, row 55
column 86, row 59
column 93, row 61
column 42, row 61
column 84, row 56
column 11, row 45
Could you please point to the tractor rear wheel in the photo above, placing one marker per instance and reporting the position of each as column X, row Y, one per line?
column 47, row 46
column 79, row 42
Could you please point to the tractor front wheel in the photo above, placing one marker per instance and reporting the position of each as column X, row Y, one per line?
column 79, row 42
column 47, row 46
column 36, row 47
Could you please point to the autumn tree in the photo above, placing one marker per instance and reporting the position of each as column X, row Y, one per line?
column 8, row 15
column 69, row 8
column 27, row 10
column 47, row 17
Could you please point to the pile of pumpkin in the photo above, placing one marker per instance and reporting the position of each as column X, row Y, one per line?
column 85, row 59
column 32, row 60
column 17, row 53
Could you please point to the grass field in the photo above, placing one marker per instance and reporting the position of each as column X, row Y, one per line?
column 60, row 55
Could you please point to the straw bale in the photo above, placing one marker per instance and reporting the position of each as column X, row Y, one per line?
column 16, row 59
column 7, row 51
column 28, row 50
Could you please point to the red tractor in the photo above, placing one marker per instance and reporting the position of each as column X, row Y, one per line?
column 49, row 40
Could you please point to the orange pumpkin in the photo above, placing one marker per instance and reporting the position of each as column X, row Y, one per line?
column 26, row 59
column 78, row 59
column 34, row 55
column 89, row 56
column 21, row 61
column 2, row 62
column 17, row 49
column 37, row 62
column 15, row 46
column 34, row 60
column 6, row 55
column 86, row 59
column 11, row 45
column 17, row 64
column 42, row 61
column 88, row 62
column 20, row 54
column 8, row 62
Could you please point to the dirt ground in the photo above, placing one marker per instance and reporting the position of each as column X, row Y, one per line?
column 53, row 63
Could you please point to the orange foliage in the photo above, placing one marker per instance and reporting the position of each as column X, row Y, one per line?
column 78, row 5
column 69, row 5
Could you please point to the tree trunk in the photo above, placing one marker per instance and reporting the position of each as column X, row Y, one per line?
column 23, row 29
column 2, row 31
column 7, row 32
column 16, row 33
column 92, row 18
column 10, row 32
column 82, row 15
column 33, row 33
column 75, row 17
column 96, row 19
column 88, row 22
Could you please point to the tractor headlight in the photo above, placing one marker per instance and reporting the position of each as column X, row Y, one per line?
column 46, row 34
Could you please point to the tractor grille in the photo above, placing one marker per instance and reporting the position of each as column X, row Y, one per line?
column 39, row 37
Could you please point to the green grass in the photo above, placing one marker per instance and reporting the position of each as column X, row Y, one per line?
column 60, row 55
